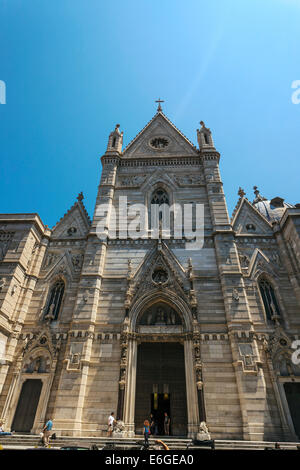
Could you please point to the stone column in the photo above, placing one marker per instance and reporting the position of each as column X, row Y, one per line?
column 191, row 390
column 130, row 390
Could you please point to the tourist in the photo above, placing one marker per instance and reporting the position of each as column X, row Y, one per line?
column 110, row 423
column 152, row 424
column 166, row 424
column 2, row 432
column 47, row 430
column 146, row 432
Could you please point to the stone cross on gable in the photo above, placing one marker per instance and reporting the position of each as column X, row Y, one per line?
column 159, row 108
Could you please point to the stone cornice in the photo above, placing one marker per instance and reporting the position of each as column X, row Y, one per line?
column 160, row 161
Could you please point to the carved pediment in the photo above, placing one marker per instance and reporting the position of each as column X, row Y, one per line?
column 160, row 270
column 74, row 224
column 249, row 221
column 261, row 263
column 159, row 138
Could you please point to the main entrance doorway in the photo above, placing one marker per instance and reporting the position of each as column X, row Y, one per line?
column 27, row 405
column 292, row 392
column 161, row 386
column 160, row 404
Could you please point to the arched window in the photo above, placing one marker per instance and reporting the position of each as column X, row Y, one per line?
column 54, row 300
column 158, row 198
column 269, row 299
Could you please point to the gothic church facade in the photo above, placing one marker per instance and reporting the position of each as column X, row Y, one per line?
column 89, row 325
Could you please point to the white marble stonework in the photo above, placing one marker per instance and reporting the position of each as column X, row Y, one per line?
column 90, row 326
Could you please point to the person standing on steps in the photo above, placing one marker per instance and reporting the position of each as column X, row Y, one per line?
column 152, row 424
column 47, row 430
column 146, row 432
column 110, row 423
column 166, row 424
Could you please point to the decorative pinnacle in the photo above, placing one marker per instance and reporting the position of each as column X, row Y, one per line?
column 159, row 108
column 241, row 192
column 256, row 191
column 80, row 196
column 259, row 197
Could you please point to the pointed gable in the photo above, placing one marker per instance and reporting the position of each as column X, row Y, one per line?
column 145, row 144
column 75, row 223
column 245, row 214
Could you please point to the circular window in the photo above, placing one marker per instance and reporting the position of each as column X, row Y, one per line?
column 250, row 228
column 159, row 143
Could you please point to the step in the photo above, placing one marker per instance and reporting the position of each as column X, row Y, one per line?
column 27, row 441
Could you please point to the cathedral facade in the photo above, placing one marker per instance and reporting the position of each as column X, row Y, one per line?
column 93, row 320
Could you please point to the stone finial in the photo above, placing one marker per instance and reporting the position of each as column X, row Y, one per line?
column 204, row 137
column 258, row 197
column 241, row 192
column 80, row 196
column 256, row 191
column 117, row 129
column 115, row 140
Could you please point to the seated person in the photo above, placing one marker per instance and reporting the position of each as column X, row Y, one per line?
column 2, row 432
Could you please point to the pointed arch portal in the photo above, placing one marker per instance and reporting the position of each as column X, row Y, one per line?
column 160, row 372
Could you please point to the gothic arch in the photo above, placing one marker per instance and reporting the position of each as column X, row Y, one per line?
column 265, row 275
column 37, row 360
column 167, row 297
column 57, row 278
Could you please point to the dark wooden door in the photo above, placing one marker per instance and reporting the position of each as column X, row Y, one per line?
column 161, row 363
column 27, row 405
column 292, row 392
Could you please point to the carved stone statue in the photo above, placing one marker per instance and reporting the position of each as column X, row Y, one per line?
column 50, row 316
column 235, row 295
column 119, row 428
column 160, row 319
column 203, row 434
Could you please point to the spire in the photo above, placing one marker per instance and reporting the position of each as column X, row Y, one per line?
column 115, row 140
column 241, row 192
column 204, row 137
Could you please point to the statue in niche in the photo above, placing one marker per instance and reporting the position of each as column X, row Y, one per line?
column 37, row 366
column 160, row 318
column 50, row 316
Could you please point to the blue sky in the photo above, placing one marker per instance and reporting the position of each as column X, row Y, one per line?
column 75, row 68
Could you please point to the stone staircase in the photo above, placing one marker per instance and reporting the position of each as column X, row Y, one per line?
column 29, row 441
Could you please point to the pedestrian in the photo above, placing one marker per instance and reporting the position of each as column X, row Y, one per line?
column 2, row 432
column 110, row 423
column 146, row 432
column 166, row 424
column 47, row 430
column 152, row 424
